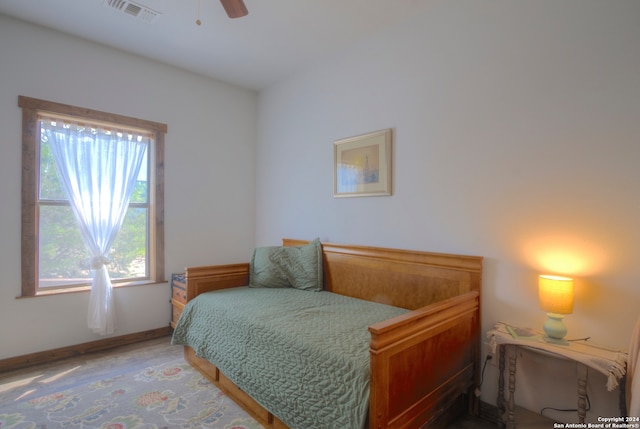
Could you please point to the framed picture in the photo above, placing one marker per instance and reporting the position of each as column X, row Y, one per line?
column 362, row 165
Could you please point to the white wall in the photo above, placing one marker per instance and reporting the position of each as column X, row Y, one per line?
column 516, row 131
column 209, row 179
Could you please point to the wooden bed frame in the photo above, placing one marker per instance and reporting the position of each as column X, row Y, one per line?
column 424, row 364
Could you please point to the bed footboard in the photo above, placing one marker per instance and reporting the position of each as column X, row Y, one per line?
column 423, row 362
column 203, row 279
column 214, row 277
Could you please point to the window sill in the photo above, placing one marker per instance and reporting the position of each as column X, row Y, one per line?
column 77, row 289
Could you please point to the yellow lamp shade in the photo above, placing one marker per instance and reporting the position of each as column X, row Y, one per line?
column 555, row 294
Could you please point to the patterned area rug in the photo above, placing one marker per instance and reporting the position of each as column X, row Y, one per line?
column 149, row 387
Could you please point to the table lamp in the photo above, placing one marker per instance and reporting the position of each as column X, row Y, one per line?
column 555, row 295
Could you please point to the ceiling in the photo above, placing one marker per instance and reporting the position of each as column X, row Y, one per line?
column 276, row 40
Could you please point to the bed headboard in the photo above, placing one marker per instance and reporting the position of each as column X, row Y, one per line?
column 403, row 278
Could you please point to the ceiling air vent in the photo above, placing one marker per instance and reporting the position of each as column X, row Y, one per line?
column 134, row 9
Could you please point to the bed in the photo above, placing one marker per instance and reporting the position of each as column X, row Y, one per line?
column 420, row 327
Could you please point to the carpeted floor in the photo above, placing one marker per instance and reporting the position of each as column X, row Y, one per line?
column 141, row 386
column 145, row 386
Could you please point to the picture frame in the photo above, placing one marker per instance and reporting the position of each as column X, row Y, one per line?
column 362, row 165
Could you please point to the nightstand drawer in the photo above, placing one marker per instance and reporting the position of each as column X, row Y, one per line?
column 178, row 297
column 176, row 311
column 178, row 288
column 179, row 294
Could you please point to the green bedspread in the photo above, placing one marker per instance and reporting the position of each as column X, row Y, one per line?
column 302, row 355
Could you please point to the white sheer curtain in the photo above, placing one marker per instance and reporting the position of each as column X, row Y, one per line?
column 98, row 169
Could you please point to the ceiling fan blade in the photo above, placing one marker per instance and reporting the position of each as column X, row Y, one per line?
column 234, row 8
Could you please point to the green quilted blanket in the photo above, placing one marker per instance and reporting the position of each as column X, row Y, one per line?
column 302, row 355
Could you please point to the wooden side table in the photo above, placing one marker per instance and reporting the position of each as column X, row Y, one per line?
column 178, row 297
column 610, row 362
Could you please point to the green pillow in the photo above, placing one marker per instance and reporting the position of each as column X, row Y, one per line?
column 263, row 272
column 301, row 266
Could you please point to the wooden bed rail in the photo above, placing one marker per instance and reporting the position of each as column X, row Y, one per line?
column 422, row 361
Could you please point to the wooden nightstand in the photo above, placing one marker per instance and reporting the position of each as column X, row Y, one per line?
column 178, row 297
column 612, row 363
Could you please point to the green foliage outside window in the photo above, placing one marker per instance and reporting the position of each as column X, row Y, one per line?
column 63, row 256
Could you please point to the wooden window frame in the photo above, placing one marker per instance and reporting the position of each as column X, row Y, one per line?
column 31, row 108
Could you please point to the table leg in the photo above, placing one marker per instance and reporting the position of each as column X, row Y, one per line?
column 582, row 391
column 511, row 403
column 623, row 396
column 501, row 402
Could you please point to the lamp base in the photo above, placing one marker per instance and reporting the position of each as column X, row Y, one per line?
column 554, row 329
column 560, row 342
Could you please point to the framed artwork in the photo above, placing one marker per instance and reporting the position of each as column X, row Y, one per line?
column 362, row 165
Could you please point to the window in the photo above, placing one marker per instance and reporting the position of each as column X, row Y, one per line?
column 54, row 255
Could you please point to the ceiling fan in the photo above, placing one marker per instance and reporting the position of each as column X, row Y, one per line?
column 234, row 8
